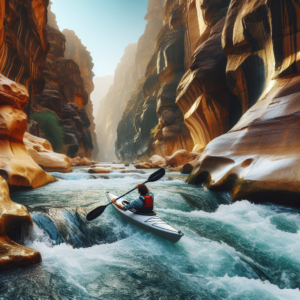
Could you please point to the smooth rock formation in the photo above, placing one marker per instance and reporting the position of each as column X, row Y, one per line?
column 41, row 152
column 16, row 165
column 259, row 158
column 179, row 158
column 99, row 170
column 13, row 255
column 157, row 161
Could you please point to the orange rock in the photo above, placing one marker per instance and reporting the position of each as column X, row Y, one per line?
column 16, row 165
column 99, row 170
column 179, row 158
column 176, row 169
column 143, row 166
column 127, row 165
column 41, row 152
column 117, row 168
column 78, row 161
column 13, row 255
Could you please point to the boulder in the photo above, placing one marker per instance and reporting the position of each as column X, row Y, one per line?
column 157, row 161
column 188, row 168
column 78, row 161
column 41, row 152
column 179, row 158
column 143, row 166
column 176, row 169
column 99, row 170
column 127, row 165
column 117, row 168
column 13, row 255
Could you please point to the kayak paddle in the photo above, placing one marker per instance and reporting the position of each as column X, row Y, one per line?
column 99, row 210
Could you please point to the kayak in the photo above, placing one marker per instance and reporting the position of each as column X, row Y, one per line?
column 150, row 222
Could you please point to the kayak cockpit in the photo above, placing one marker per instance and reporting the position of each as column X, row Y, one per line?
column 153, row 213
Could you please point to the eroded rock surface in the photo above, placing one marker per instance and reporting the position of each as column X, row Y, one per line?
column 258, row 159
column 13, row 255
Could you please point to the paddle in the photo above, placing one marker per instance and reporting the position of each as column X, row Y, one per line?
column 99, row 210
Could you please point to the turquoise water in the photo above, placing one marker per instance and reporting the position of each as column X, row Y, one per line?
column 229, row 251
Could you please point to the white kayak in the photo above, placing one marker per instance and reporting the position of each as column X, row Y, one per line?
column 150, row 222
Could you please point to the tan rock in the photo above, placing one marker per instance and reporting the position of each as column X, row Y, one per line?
column 143, row 166
column 99, row 170
column 78, row 161
column 13, row 255
column 179, row 158
column 157, row 161
column 127, row 165
column 41, row 152
column 176, row 169
column 117, row 168
column 16, row 165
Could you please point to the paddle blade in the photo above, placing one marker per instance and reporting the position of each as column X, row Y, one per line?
column 157, row 175
column 95, row 213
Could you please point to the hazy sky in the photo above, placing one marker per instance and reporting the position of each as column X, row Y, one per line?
column 105, row 27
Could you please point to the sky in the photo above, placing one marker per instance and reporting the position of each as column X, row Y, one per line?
column 105, row 27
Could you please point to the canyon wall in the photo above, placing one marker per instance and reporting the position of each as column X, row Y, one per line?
column 258, row 159
column 23, row 50
column 63, row 109
column 113, row 104
column 102, row 85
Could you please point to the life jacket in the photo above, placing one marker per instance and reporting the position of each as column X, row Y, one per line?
column 148, row 204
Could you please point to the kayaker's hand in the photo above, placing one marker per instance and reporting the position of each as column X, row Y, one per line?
column 137, row 186
column 114, row 200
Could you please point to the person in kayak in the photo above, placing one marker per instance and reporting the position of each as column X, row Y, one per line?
column 144, row 203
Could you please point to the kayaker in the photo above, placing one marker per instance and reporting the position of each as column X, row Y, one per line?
column 144, row 203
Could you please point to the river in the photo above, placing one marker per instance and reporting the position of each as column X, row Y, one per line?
column 228, row 251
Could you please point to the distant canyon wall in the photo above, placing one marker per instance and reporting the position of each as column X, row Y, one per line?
column 63, row 108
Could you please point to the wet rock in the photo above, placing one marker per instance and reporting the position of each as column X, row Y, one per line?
column 188, row 168
column 127, row 165
column 176, row 169
column 117, row 168
column 143, row 166
column 99, row 170
column 12, row 215
column 78, row 161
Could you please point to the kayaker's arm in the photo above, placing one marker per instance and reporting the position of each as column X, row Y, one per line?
column 117, row 204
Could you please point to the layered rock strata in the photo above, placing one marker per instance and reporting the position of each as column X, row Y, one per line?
column 78, row 52
column 13, row 255
column 134, row 140
column 66, row 95
column 258, row 159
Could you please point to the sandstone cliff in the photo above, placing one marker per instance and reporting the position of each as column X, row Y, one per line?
column 113, row 104
column 23, row 49
column 258, row 159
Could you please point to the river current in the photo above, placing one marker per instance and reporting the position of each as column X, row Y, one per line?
column 228, row 251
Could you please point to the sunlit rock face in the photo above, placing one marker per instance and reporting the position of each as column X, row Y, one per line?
column 23, row 44
column 111, row 106
column 66, row 95
column 13, row 255
column 259, row 158
column 16, row 165
column 42, row 153
column 78, row 52
column 208, row 106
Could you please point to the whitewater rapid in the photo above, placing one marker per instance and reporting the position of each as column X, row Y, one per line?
column 229, row 251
